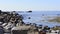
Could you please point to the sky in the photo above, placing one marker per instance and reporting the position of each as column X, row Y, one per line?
column 34, row 5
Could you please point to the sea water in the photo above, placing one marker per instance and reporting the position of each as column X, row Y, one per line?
column 38, row 17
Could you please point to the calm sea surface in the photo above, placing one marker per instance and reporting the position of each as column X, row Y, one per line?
column 40, row 17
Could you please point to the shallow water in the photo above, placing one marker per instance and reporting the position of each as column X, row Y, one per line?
column 38, row 17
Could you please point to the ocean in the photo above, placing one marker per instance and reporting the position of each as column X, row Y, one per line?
column 40, row 17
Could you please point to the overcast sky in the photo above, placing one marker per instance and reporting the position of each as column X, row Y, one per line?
column 35, row 5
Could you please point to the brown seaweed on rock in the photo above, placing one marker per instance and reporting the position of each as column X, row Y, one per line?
column 57, row 19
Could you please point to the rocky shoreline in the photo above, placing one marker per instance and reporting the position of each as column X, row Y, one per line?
column 12, row 23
